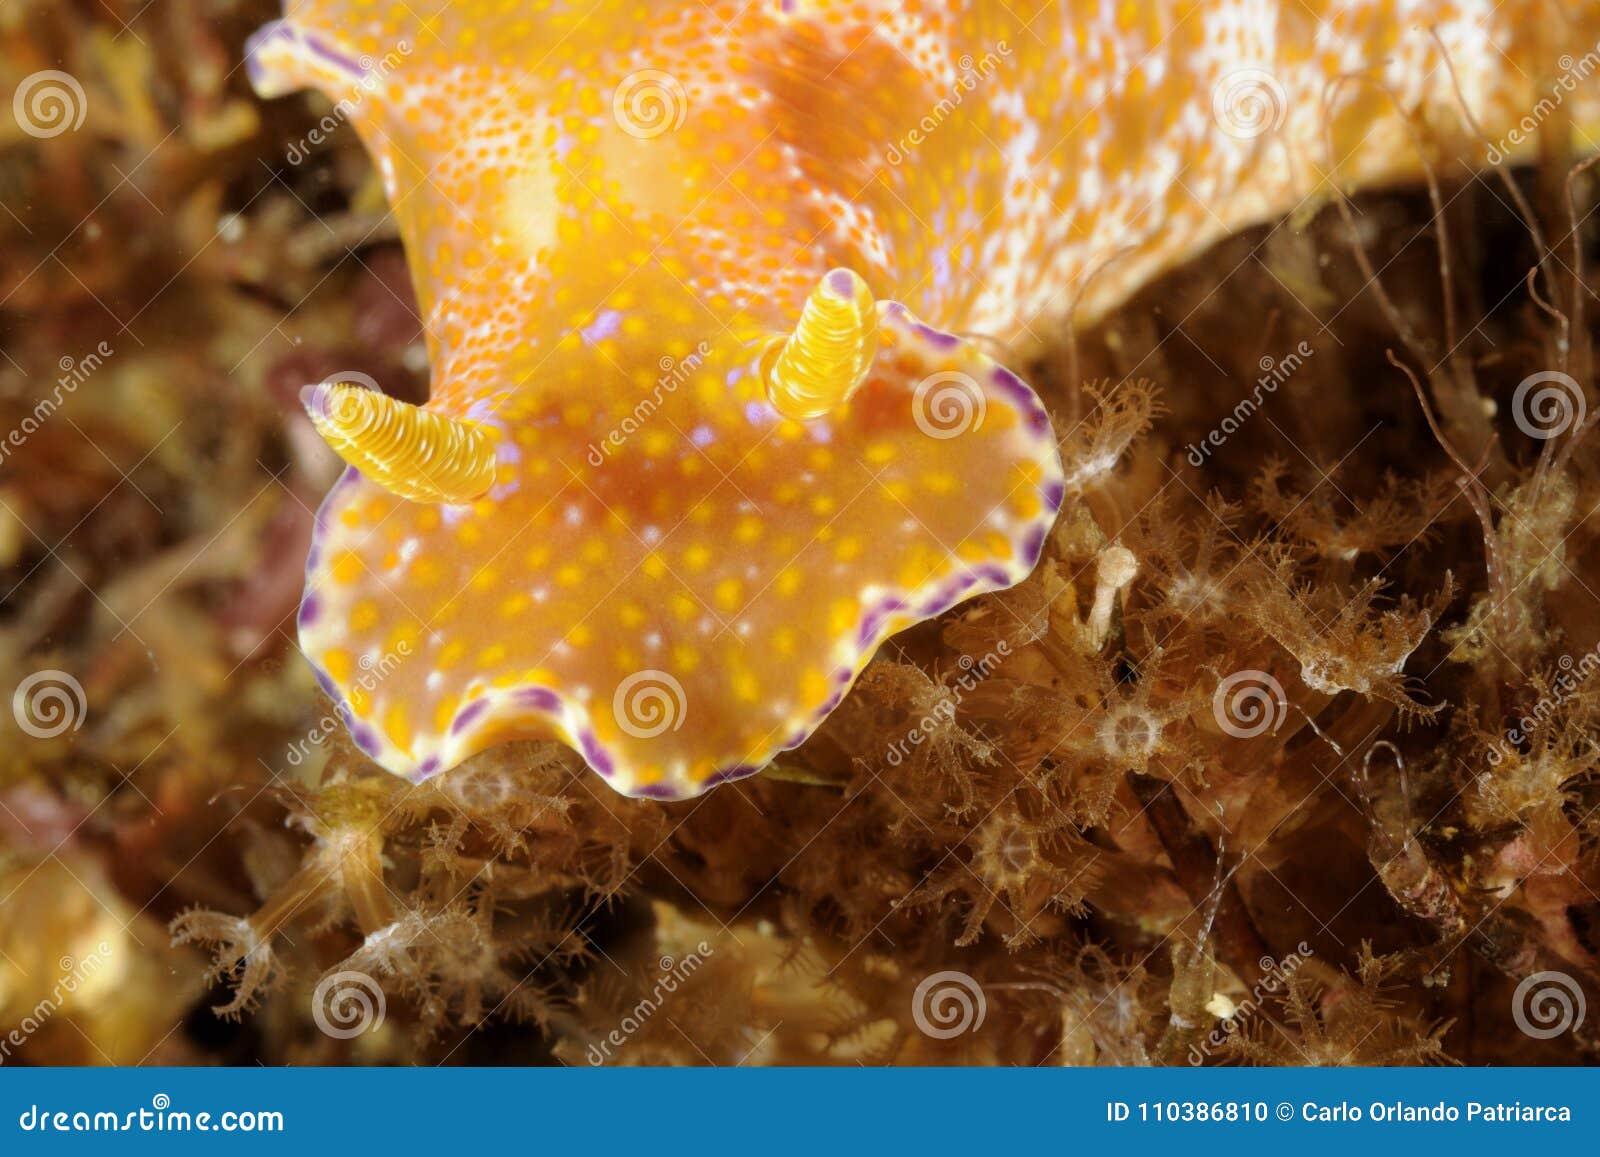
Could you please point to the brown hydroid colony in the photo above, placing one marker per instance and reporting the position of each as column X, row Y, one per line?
column 1285, row 754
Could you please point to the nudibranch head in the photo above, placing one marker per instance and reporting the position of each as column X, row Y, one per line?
column 680, row 598
column 655, row 508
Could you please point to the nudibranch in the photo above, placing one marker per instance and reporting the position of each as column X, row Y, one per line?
column 706, row 422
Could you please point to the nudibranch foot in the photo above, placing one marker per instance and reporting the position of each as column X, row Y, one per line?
column 696, row 597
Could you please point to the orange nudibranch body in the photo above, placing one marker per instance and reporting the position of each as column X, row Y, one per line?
column 701, row 433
